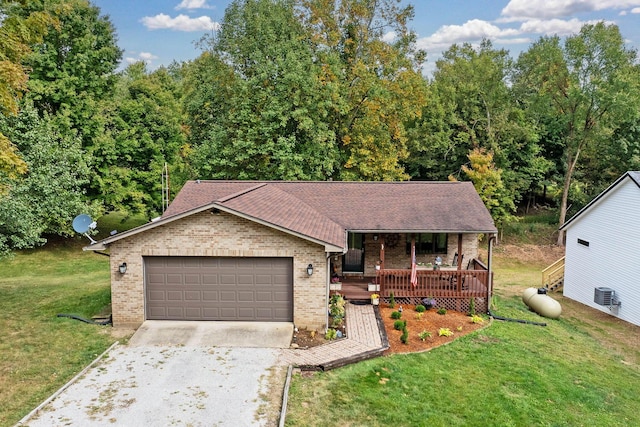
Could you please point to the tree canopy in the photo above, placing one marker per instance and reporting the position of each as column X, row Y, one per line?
column 301, row 90
column 279, row 97
column 580, row 92
column 17, row 34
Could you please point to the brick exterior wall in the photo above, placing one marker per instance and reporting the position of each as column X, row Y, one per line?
column 218, row 235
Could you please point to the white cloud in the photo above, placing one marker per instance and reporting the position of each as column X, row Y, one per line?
column 553, row 26
column 520, row 10
column 517, row 40
column 193, row 4
column 145, row 57
column 389, row 37
column 635, row 10
column 472, row 30
column 179, row 23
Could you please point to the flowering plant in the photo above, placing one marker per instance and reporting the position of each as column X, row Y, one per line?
column 429, row 303
column 375, row 296
column 335, row 279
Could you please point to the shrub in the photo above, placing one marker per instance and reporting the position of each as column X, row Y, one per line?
column 331, row 334
column 476, row 319
column 396, row 315
column 424, row 335
column 405, row 335
column 419, row 316
column 420, row 308
column 398, row 325
column 442, row 311
column 444, row 332
column 336, row 306
column 429, row 302
column 336, row 322
column 472, row 306
column 392, row 300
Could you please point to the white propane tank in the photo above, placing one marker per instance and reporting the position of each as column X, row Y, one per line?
column 528, row 293
column 542, row 303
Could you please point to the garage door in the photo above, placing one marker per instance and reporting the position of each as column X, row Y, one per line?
column 212, row 288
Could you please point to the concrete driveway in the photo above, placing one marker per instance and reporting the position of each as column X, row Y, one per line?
column 175, row 374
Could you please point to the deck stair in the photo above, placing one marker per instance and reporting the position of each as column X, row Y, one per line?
column 553, row 276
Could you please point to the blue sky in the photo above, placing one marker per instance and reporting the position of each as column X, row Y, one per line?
column 160, row 31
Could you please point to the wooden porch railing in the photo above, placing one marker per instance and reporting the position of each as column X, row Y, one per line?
column 553, row 276
column 434, row 283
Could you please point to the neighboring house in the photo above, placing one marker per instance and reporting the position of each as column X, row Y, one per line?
column 241, row 250
column 602, row 264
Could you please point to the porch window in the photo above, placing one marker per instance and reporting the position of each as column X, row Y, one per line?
column 428, row 243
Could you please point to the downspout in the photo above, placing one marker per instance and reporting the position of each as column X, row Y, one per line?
column 328, row 281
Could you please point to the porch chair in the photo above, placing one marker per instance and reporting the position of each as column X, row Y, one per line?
column 455, row 259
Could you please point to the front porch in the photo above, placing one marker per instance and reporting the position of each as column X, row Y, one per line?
column 452, row 288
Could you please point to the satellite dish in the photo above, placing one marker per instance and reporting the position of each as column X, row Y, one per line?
column 83, row 223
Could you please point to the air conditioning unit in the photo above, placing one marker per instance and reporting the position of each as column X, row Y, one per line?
column 604, row 296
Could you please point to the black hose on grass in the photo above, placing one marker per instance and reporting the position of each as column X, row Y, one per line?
column 91, row 322
column 508, row 319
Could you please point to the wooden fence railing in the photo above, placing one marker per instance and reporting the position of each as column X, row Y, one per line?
column 434, row 283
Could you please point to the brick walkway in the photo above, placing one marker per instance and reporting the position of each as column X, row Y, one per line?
column 363, row 341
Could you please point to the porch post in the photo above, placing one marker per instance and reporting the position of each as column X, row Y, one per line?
column 413, row 281
column 489, row 271
column 459, row 251
column 379, row 272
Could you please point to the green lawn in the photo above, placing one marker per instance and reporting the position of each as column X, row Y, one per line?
column 40, row 352
column 579, row 370
column 508, row 374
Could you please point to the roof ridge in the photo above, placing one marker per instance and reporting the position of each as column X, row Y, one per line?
column 308, row 206
column 290, row 200
column 240, row 193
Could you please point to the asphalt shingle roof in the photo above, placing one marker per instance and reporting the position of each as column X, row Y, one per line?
column 324, row 210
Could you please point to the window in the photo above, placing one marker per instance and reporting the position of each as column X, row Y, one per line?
column 428, row 243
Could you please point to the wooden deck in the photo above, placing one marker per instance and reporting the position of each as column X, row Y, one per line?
column 453, row 289
column 356, row 288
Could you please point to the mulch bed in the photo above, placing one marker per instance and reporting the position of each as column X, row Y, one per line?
column 459, row 323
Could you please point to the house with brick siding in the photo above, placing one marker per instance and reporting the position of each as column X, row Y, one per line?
column 267, row 250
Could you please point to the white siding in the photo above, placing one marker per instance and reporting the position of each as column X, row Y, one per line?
column 612, row 259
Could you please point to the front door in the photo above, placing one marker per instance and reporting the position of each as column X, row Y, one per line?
column 353, row 260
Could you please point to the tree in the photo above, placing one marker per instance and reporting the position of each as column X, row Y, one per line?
column 374, row 86
column 72, row 70
column 305, row 90
column 45, row 199
column 254, row 101
column 588, row 86
column 143, row 131
column 17, row 34
column 471, row 108
column 487, row 180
